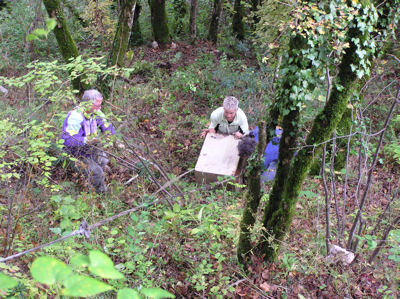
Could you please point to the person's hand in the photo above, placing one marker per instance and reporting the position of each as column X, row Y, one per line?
column 92, row 141
column 119, row 145
column 204, row 133
column 237, row 135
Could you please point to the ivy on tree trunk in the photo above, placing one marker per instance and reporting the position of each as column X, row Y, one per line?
column 278, row 219
column 253, row 197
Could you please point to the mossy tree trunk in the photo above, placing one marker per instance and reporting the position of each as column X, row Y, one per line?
column 293, row 63
column 279, row 216
column 159, row 21
column 237, row 22
column 121, row 39
column 215, row 18
column 253, row 197
column 64, row 39
column 120, row 43
column 136, row 37
column 193, row 17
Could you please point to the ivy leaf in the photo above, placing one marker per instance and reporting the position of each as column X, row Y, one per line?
column 40, row 32
column 7, row 282
column 103, row 266
column 31, row 37
column 49, row 270
column 51, row 24
column 156, row 293
column 84, row 286
column 128, row 294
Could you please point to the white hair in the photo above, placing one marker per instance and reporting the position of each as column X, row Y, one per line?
column 91, row 95
column 231, row 103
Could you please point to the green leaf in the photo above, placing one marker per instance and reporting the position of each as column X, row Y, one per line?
column 395, row 234
column 80, row 260
column 200, row 215
column 49, row 270
column 7, row 282
column 103, row 266
column 51, row 24
column 31, row 37
column 128, row 294
column 40, row 32
column 156, row 293
column 84, row 286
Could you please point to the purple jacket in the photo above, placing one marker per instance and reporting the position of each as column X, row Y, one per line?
column 77, row 128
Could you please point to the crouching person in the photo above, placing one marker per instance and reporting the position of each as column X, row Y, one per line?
column 80, row 132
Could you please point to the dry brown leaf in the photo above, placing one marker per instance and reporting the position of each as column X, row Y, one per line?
column 265, row 286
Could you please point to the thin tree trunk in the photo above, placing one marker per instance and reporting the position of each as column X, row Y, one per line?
column 253, row 197
column 136, row 37
column 216, row 16
column 288, row 139
column 371, row 169
column 121, row 39
column 120, row 43
column 237, row 22
column 193, row 17
column 159, row 21
column 64, row 39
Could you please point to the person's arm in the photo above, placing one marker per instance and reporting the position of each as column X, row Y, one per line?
column 244, row 125
column 103, row 125
column 213, row 124
column 214, row 120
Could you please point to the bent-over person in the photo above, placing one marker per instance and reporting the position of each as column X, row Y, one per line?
column 228, row 119
column 80, row 132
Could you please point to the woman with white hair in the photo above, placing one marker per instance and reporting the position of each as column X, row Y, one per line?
column 228, row 119
column 79, row 132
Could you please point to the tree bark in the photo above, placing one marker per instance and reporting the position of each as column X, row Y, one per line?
column 216, row 16
column 121, row 39
column 237, row 22
column 159, row 21
column 64, row 39
column 193, row 17
column 253, row 197
column 136, row 38
column 120, row 43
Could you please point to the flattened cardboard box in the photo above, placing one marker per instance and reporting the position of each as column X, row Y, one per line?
column 219, row 156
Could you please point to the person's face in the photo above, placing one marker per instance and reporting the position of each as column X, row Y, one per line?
column 230, row 114
column 96, row 105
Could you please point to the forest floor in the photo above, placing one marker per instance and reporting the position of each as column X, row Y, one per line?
column 190, row 249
